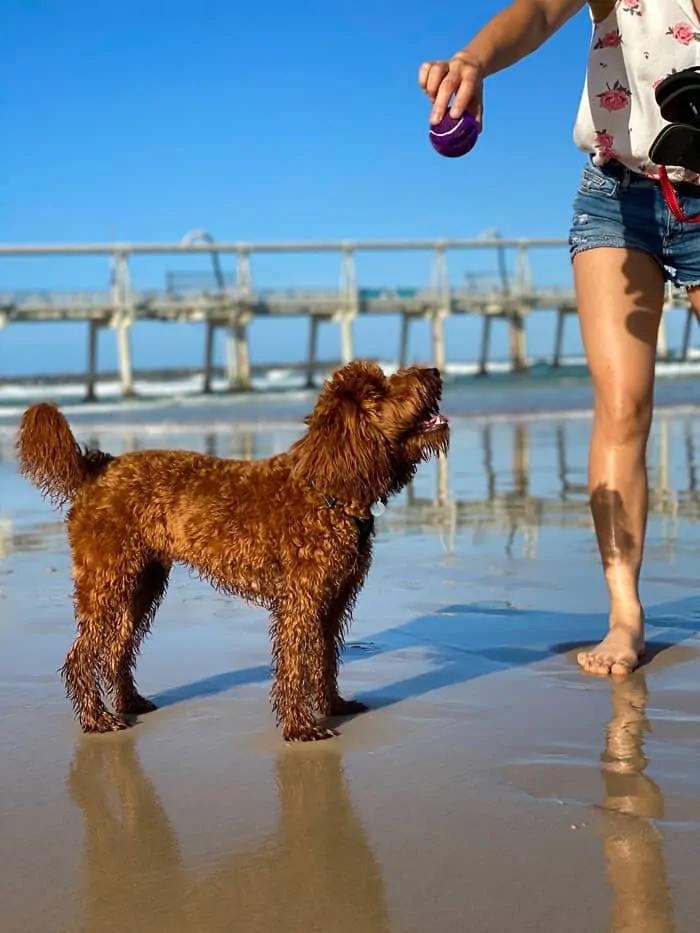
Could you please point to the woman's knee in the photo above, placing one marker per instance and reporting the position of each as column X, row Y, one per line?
column 623, row 418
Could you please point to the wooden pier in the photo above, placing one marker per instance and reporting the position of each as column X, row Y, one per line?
column 233, row 305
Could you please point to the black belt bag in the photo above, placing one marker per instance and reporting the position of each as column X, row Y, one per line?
column 678, row 98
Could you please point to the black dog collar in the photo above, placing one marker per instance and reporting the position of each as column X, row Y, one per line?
column 365, row 526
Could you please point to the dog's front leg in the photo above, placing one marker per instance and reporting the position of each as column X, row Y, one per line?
column 298, row 660
column 335, row 624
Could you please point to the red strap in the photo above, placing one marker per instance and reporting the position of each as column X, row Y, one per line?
column 672, row 199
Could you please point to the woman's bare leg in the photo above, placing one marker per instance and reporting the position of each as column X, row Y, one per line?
column 694, row 296
column 620, row 299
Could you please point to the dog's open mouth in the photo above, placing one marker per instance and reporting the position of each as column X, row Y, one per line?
column 433, row 423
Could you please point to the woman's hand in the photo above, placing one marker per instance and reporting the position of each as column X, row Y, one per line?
column 462, row 77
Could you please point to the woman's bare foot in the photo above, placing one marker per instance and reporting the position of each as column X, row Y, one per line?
column 619, row 652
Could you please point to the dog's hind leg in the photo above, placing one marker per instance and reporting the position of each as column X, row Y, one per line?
column 335, row 624
column 120, row 651
column 298, row 656
column 96, row 612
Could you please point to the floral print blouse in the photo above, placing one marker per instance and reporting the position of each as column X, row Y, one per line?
column 635, row 44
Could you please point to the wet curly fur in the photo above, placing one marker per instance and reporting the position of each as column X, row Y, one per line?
column 292, row 534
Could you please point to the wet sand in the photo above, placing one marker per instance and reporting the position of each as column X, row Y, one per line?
column 491, row 786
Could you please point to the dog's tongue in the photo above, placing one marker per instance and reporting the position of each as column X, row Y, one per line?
column 434, row 422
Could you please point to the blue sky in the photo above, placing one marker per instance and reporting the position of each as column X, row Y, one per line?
column 268, row 121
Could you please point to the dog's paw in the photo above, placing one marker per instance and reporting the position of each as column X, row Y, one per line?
column 106, row 722
column 341, row 707
column 309, row 734
column 136, row 706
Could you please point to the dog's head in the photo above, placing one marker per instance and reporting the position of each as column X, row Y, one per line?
column 368, row 432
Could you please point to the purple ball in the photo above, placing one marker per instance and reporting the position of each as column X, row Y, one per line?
column 453, row 138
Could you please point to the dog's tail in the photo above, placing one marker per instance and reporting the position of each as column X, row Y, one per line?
column 50, row 457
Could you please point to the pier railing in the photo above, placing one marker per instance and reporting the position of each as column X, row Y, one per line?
column 231, row 302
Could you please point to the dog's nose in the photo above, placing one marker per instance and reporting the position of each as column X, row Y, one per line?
column 434, row 371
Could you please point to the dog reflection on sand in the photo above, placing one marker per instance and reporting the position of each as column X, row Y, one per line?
column 316, row 872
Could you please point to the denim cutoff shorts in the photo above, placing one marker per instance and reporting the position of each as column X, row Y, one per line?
column 617, row 207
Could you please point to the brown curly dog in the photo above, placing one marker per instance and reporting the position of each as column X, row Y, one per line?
column 292, row 534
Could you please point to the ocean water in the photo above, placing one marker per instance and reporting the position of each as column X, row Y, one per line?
column 280, row 395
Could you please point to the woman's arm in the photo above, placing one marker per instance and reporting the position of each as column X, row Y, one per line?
column 515, row 32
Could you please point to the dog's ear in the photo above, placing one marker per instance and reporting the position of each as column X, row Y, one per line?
column 344, row 454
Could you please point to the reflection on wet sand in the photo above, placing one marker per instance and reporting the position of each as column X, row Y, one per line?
column 317, row 873
column 310, row 866
column 505, row 477
column 131, row 859
column 632, row 844
column 495, row 488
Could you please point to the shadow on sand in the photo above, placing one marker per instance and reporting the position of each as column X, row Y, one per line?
column 462, row 642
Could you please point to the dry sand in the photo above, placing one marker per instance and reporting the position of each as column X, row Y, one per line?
column 491, row 787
